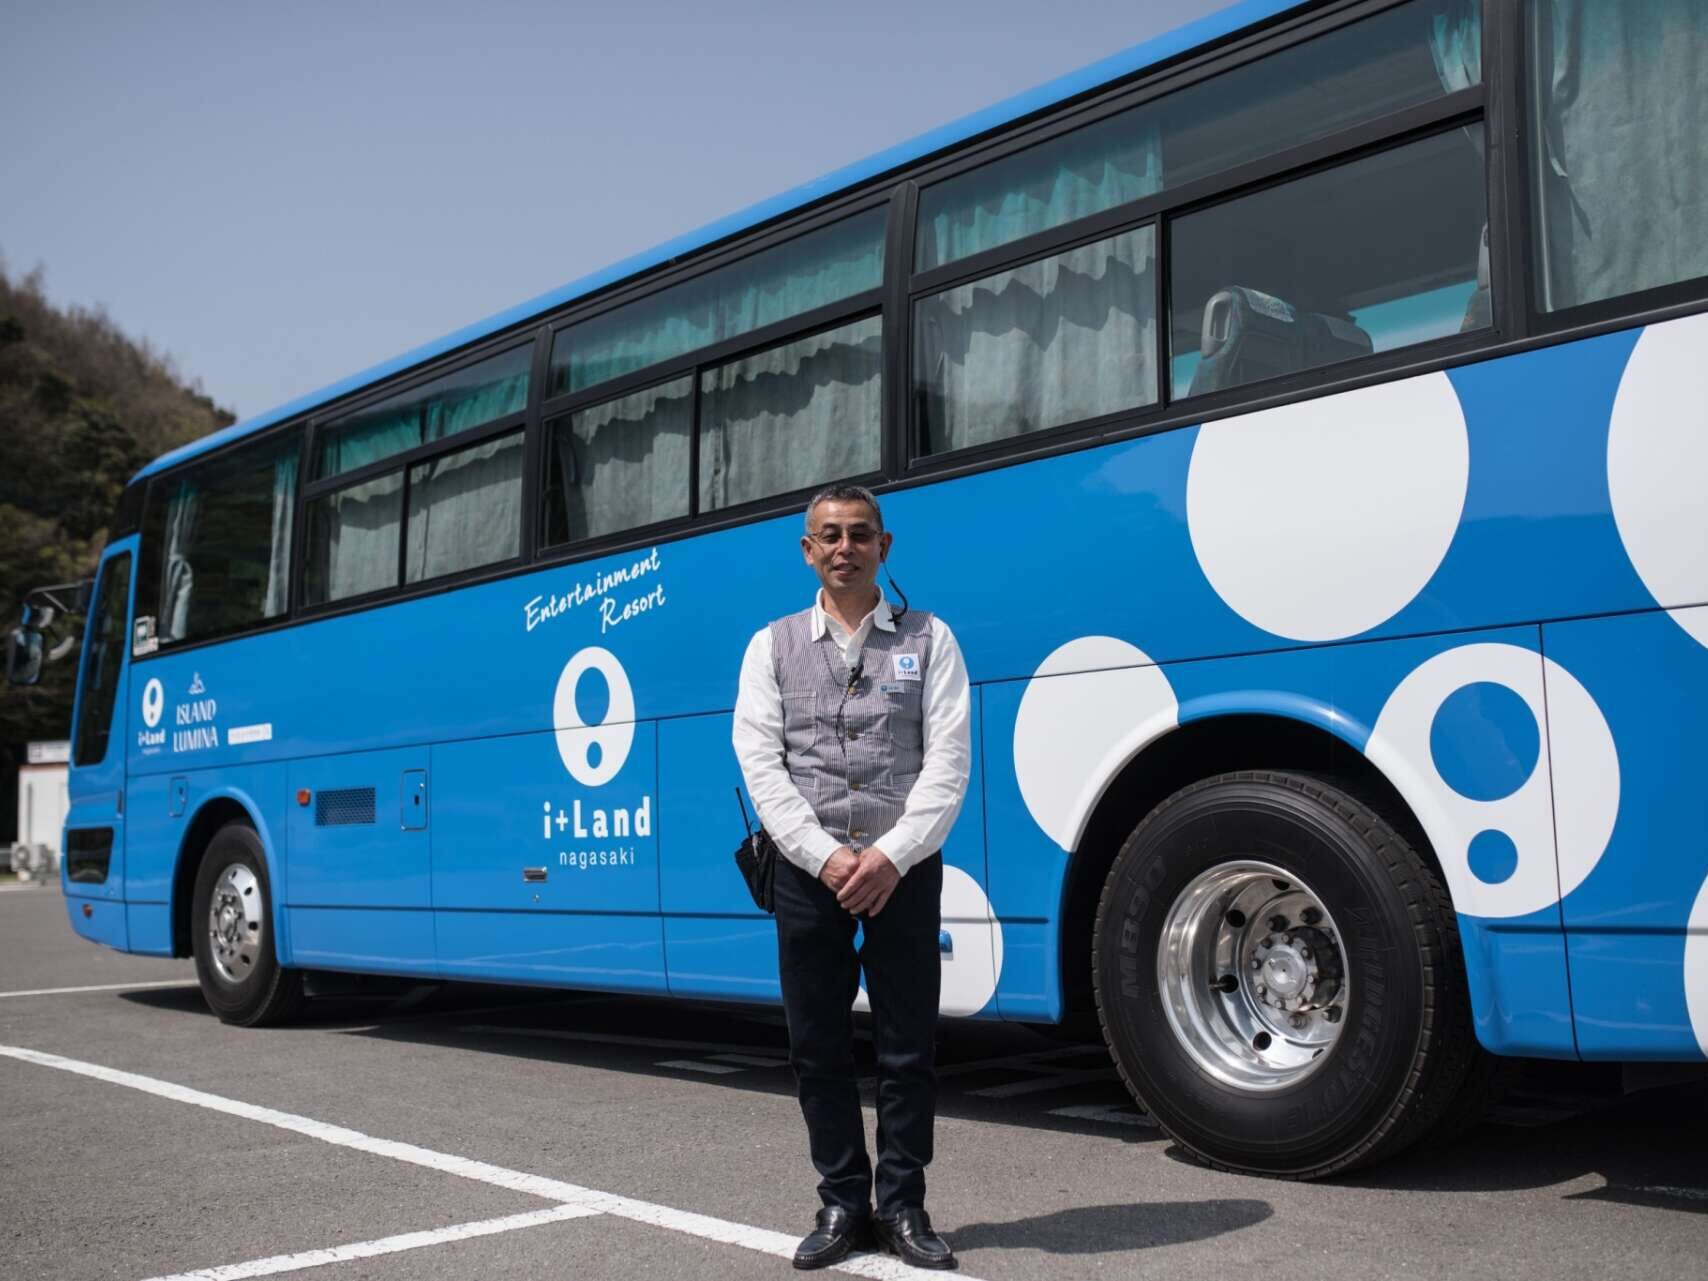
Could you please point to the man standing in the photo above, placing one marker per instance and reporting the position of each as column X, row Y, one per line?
column 851, row 726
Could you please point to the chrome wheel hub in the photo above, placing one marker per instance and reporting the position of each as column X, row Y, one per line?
column 235, row 923
column 1252, row 975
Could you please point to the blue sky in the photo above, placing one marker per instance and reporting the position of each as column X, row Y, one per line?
column 279, row 195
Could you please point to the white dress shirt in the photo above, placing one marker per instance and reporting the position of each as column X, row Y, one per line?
column 935, row 798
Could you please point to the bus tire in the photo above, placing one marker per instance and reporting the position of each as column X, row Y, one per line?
column 231, row 925
column 1279, row 980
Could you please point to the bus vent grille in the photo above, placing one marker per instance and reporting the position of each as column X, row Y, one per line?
column 342, row 806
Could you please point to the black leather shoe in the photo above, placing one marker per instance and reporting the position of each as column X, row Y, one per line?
column 908, row 1235
column 837, row 1233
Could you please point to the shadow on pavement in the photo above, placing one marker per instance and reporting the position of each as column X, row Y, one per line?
column 1113, row 1229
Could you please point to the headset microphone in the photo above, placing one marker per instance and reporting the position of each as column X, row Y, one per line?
column 895, row 613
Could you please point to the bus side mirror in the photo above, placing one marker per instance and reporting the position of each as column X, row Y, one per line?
column 23, row 656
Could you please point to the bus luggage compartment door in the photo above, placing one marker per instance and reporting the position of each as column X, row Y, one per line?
column 357, row 884
column 545, row 860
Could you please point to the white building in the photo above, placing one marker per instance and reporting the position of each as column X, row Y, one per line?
column 44, row 795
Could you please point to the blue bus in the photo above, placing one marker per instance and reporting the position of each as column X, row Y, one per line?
column 1297, row 417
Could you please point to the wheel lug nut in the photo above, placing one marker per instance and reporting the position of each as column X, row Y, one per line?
column 1287, row 939
column 1305, row 953
column 1278, row 923
column 1262, row 990
column 1256, row 964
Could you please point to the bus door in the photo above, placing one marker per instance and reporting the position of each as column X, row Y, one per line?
column 92, row 864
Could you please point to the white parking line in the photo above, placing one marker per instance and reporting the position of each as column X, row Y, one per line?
column 385, row 1245
column 101, row 987
column 723, row 1231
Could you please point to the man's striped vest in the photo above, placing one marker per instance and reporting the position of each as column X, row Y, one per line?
column 853, row 758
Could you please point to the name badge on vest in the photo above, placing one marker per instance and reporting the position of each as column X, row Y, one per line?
column 907, row 667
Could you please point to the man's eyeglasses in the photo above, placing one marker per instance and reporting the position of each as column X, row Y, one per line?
column 831, row 535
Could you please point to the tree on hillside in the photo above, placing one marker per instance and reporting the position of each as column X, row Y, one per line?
column 82, row 408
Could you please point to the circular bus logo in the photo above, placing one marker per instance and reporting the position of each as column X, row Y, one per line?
column 153, row 702
column 594, row 754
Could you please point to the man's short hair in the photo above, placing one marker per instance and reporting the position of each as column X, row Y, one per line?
column 845, row 493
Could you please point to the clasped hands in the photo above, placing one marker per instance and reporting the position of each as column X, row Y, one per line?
column 863, row 882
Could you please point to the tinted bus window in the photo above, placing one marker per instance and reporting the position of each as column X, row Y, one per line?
column 1062, row 339
column 811, row 271
column 1370, row 256
column 459, row 401
column 465, row 509
column 798, row 415
column 620, row 465
column 1400, row 58
column 1620, row 175
column 352, row 540
column 216, row 545
column 101, row 664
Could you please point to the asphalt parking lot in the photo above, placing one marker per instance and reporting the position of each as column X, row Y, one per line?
column 468, row 1131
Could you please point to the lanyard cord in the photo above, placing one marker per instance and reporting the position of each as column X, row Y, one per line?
column 841, row 733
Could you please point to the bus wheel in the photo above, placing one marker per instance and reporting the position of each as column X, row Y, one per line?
column 232, row 928
column 1279, row 979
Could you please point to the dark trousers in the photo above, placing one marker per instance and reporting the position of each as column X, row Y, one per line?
column 820, row 969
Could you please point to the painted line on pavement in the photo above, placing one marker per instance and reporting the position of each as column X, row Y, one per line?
column 101, row 987
column 385, row 1245
column 723, row 1231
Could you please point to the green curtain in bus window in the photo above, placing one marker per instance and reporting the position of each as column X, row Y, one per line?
column 1398, row 58
column 620, row 465
column 1057, row 341
column 791, row 279
column 465, row 509
column 801, row 414
column 461, row 400
column 1620, row 94
column 1092, row 169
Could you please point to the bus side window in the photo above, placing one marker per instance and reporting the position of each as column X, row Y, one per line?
column 1619, row 113
column 216, row 543
column 1056, row 341
column 797, row 415
column 618, row 465
column 1377, row 254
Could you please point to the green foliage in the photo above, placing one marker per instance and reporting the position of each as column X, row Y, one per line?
column 82, row 408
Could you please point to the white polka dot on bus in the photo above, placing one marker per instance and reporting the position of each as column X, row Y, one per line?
column 1070, row 736
column 1696, row 968
column 1657, row 455
column 1323, row 519
column 1462, row 737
